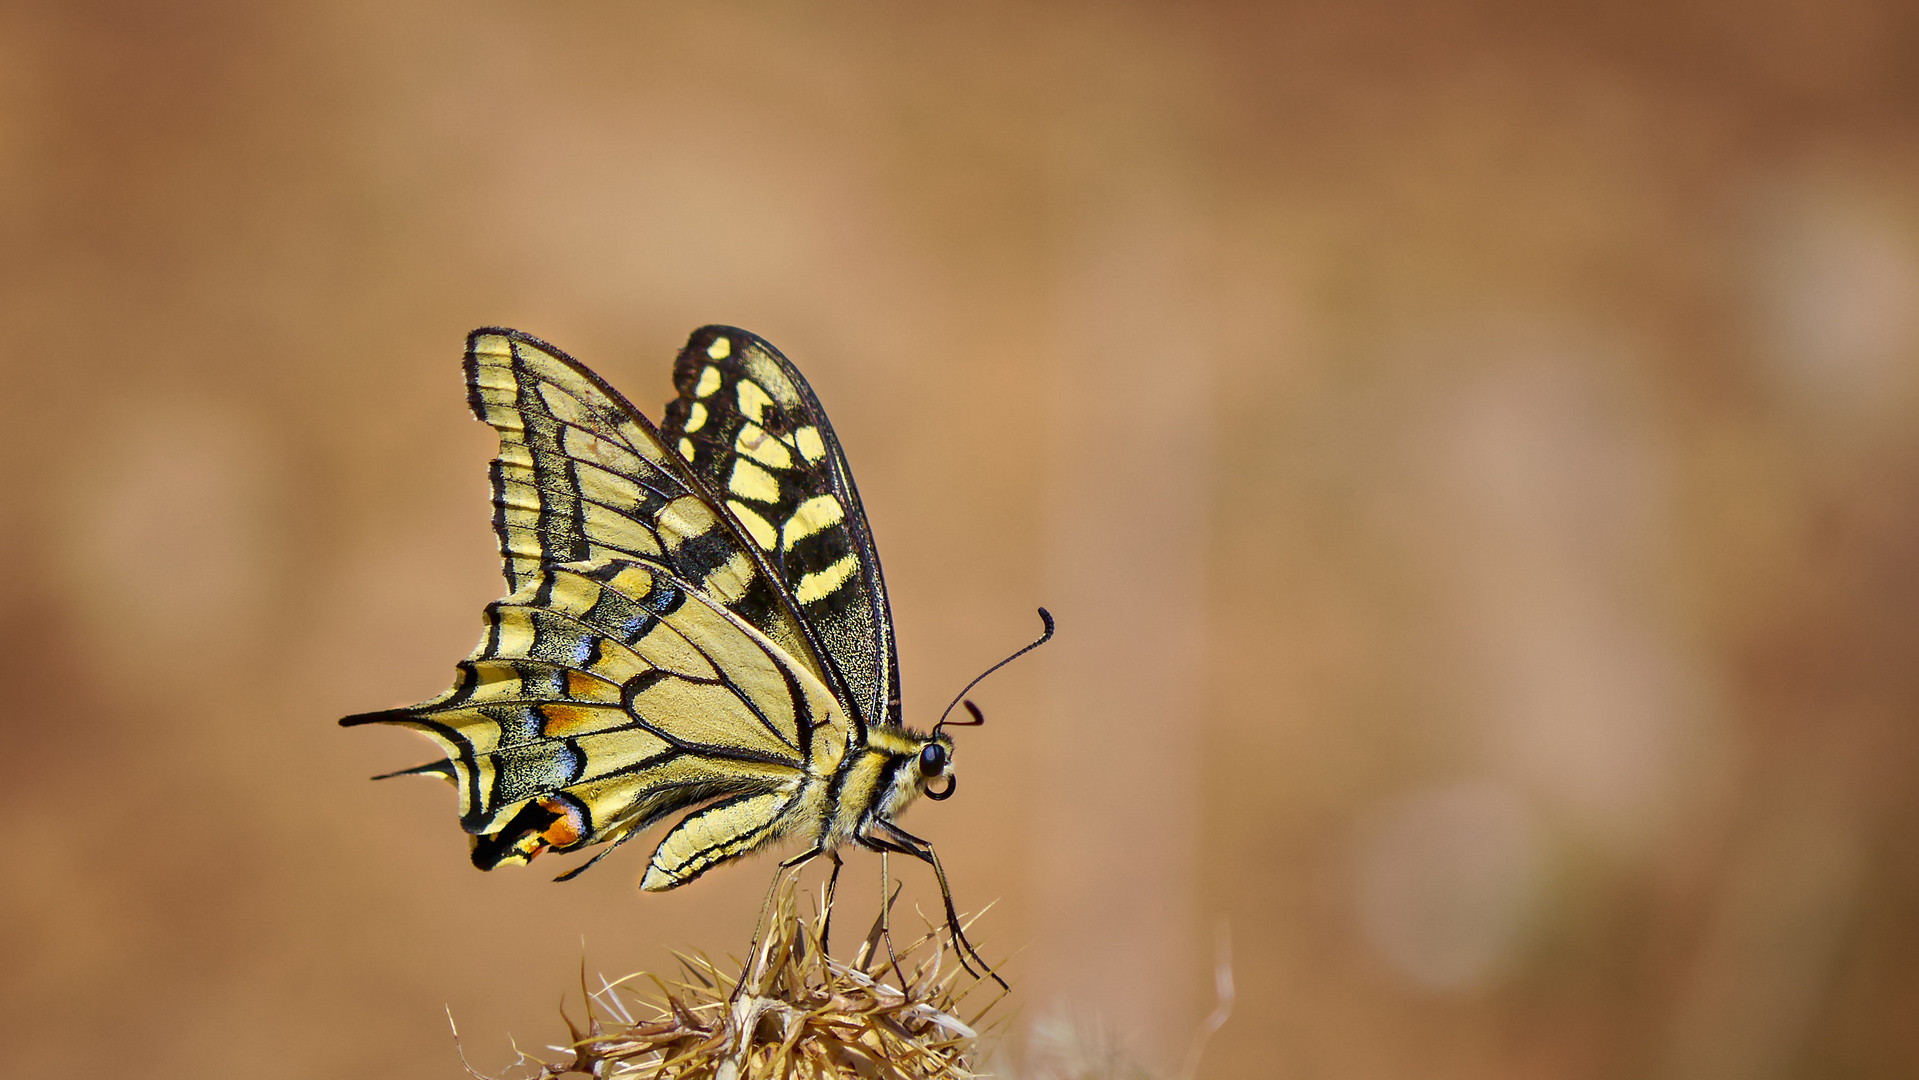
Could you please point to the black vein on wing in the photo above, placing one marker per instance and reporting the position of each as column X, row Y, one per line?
column 727, row 680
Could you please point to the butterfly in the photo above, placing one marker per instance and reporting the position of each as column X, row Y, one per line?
column 695, row 622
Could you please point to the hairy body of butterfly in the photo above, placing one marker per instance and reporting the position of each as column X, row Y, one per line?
column 696, row 621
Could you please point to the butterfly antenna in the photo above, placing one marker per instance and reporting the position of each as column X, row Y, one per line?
column 1045, row 617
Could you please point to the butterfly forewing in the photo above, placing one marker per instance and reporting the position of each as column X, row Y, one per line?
column 748, row 425
column 581, row 474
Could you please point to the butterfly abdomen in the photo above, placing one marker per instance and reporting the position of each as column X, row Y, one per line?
column 727, row 830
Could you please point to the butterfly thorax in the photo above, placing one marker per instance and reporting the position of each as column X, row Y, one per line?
column 880, row 780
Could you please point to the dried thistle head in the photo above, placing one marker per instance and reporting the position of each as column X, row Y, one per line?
column 792, row 1011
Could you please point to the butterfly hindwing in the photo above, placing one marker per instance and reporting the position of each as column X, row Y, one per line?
column 749, row 426
column 608, row 694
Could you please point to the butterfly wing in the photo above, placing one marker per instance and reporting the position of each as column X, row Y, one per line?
column 581, row 473
column 750, row 427
column 608, row 694
column 616, row 684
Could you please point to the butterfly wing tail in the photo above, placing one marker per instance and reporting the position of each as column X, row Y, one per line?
column 442, row 768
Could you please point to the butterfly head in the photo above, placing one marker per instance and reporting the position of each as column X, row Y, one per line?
column 935, row 763
column 905, row 765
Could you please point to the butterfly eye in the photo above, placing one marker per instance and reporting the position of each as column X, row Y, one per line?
column 932, row 759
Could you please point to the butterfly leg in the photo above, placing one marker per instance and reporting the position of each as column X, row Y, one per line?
column 766, row 905
column 898, row 839
column 759, row 927
column 795, row 863
column 886, row 921
column 886, row 905
column 826, row 923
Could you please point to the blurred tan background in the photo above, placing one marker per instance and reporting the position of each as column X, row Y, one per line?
column 1470, row 448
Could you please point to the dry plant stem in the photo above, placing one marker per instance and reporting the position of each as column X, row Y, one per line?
column 793, row 1011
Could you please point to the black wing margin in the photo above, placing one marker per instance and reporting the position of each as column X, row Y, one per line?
column 750, row 427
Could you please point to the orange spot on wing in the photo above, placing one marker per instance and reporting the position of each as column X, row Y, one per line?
column 568, row 826
column 559, row 721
